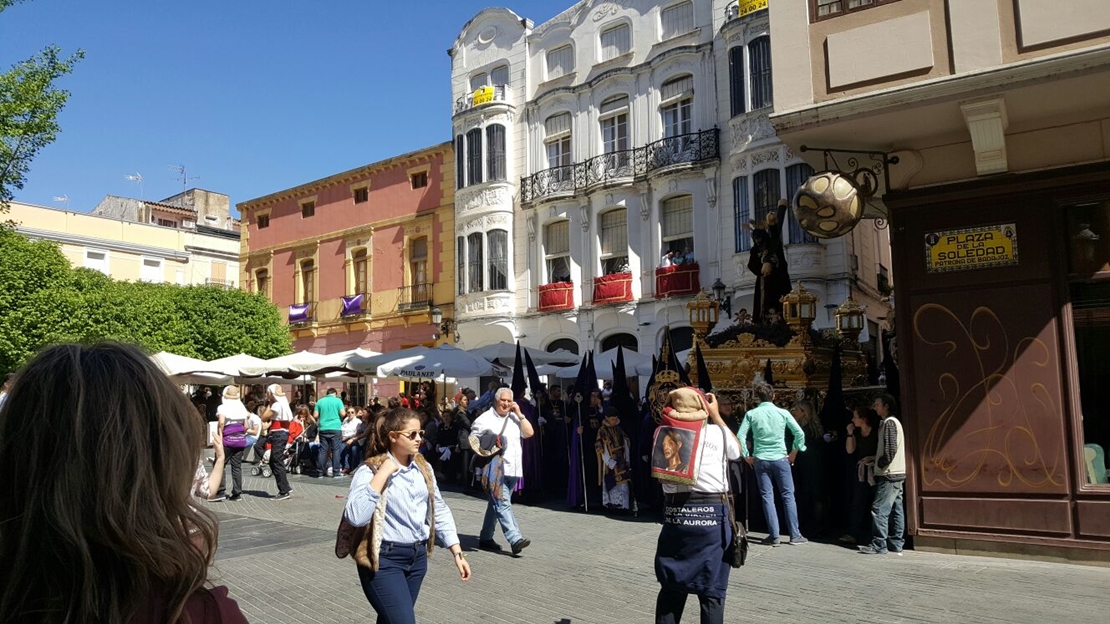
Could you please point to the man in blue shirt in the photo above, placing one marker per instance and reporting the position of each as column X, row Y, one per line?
column 768, row 424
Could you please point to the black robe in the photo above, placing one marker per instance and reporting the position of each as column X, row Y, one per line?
column 768, row 247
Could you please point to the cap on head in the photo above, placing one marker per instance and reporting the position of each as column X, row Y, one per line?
column 686, row 404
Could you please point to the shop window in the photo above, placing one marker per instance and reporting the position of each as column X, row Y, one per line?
column 1088, row 244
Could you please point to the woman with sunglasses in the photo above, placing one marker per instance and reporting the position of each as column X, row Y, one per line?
column 395, row 496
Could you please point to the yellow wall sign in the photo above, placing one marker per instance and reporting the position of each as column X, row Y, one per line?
column 483, row 95
column 983, row 247
column 751, row 6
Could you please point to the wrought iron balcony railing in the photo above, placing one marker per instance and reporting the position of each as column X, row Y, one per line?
column 691, row 148
column 500, row 94
column 415, row 297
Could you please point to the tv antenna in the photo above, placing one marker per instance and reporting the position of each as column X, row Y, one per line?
column 137, row 177
column 183, row 176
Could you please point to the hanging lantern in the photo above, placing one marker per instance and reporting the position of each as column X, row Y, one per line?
column 849, row 320
column 828, row 204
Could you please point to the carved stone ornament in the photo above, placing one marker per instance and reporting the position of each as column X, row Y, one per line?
column 767, row 156
column 531, row 222
column 739, row 162
column 466, row 201
column 609, row 9
column 750, row 128
column 645, row 206
column 584, row 214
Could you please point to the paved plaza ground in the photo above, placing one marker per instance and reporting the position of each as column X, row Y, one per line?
column 277, row 558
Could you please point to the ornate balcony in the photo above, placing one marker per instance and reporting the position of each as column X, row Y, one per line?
column 633, row 164
column 499, row 94
column 677, row 280
column 612, row 288
column 557, row 296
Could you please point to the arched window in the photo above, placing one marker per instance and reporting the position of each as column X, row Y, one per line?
column 614, row 124
column 474, row 157
column 562, row 343
column 765, row 187
column 736, row 80
column 498, row 260
column 418, row 269
column 556, row 249
column 759, row 57
column 474, row 265
column 678, row 226
column 495, row 150
column 560, row 62
column 677, row 19
column 262, row 282
column 460, row 264
column 614, row 242
column 628, row 341
column 796, row 175
column 557, row 135
column 615, row 41
column 499, row 76
column 677, row 106
column 477, row 81
column 741, row 213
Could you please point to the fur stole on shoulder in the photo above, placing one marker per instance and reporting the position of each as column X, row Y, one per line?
column 369, row 543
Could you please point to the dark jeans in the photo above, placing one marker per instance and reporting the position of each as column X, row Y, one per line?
column 777, row 471
column 350, row 456
column 235, row 460
column 670, row 604
column 278, row 439
column 859, row 522
column 332, row 440
column 393, row 589
column 887, row 511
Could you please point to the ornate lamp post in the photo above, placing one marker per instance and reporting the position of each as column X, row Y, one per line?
column 849, row 320
column 799, row 307
column 446, row 326
column 719, row 294
column 704, row 313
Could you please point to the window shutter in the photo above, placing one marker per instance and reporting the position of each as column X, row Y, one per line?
column 677, row 87
column 678, row 217
column 614, row 104
column 678, row 19
column 557, row 125
column 557, row 238
column 560, row 62
column 615, row 42
column 499, row 76
column 614, row 233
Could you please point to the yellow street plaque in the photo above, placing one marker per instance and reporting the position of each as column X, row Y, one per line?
column 983, row 247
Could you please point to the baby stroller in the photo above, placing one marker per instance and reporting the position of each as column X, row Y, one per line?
column 291, row 458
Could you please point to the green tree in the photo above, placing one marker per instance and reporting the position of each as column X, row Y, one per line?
column 29, row 106
column 44, row 301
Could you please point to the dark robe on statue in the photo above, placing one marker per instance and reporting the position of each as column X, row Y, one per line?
column 768, row 250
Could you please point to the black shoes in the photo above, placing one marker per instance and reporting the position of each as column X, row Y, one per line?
column 520, row 545
column 489, row 545
column 282, row 497
column 773, row 542
column 235, row 498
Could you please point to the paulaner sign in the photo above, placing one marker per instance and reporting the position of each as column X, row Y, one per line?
column 983, row 247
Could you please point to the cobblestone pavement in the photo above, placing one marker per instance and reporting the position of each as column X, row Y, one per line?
column 277, row 557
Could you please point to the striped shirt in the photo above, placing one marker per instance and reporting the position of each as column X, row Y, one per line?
column 406, row 510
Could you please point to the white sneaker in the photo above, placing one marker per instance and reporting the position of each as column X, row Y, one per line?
column 329, row 472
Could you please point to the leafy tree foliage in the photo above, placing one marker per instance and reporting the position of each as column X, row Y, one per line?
column 29, row 106
column 43, row 301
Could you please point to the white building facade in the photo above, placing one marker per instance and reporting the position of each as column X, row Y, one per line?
column 591, row 145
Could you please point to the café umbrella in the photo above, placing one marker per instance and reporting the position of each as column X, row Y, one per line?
column 424, row 363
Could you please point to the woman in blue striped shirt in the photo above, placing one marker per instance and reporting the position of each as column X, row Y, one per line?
column 392, row 552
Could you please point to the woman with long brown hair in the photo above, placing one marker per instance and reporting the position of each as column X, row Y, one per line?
column 97, row 523
column 395, row 496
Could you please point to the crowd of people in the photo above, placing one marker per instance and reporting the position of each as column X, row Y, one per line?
column 65, row 492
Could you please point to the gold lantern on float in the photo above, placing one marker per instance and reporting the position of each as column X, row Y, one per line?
column 704, row 313
column 849, row 320
column 828, row 204
column 799, row 307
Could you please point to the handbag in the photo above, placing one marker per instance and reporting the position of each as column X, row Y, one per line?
column 235, row 435
column 737, row 552
column 347, row 537
column 487, row 445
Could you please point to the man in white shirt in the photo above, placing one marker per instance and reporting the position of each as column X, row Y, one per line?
column 504, row 418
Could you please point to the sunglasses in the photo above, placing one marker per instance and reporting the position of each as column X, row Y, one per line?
column 412, row 435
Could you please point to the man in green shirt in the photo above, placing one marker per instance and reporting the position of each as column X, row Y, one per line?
column 330, row 423
column 768, row 424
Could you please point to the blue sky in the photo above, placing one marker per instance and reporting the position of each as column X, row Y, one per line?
column 251, row 96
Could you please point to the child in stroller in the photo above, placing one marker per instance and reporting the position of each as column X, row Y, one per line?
column 293, row 457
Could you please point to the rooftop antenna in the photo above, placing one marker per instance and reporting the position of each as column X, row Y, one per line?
column 64, row 199
column 183, row 176
column 137, row 177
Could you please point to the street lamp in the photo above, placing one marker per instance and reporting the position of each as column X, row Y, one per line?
column 719, row 294
column 446, row 326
